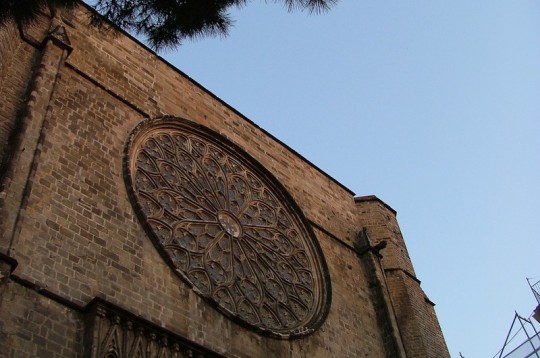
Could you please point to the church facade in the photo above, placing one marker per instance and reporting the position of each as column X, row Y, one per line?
column 141, row 216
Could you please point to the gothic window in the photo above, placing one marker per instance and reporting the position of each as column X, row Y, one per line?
column 227, row 227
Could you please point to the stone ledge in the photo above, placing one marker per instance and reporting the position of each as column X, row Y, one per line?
column 366, row 198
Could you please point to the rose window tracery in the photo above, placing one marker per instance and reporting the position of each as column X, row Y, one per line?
column 227, row 227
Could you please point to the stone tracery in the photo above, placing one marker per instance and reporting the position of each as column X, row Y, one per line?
column 228, row 228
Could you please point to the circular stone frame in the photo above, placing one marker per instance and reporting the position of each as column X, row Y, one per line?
column 227, row 227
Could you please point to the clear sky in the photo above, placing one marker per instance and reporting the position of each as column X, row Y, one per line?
column 433, row 106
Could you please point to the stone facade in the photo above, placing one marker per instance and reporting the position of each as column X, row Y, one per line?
column 81, row 275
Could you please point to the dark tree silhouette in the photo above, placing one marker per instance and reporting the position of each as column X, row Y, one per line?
column 164, row 23
column 26, row 11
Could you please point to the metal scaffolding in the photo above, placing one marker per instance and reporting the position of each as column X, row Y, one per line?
column 530, row 347
column 535, row 288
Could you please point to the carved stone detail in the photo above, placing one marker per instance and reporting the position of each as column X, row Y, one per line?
column 227, row 227
column 114, row 333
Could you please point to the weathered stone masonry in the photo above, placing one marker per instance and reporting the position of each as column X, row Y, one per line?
column 83, row 272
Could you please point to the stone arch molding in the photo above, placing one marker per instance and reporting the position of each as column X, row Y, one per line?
column 227, row 227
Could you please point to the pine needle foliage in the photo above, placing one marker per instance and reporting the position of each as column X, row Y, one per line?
column 164, row 23
column 25, row 12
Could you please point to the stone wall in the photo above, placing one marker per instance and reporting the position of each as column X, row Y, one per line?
column 33, row 325
column 68, row 221
column 16, row 62
column 414, row 312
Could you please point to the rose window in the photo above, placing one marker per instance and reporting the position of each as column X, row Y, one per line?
column 227, row 227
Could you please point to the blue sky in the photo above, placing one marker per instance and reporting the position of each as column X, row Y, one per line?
column 431, row 105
